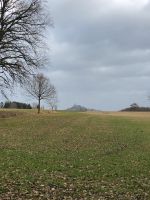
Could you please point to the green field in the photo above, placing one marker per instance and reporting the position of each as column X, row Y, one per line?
column 75, row 156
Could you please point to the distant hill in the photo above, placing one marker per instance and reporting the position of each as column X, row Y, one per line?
column 77, row 108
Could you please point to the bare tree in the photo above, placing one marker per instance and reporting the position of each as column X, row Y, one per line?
column 52, row 102
column 40, row 88
column 21, row 32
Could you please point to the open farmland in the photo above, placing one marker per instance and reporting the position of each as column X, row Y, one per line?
column 62, row 155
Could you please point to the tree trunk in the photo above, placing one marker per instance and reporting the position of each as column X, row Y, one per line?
column 39, row 106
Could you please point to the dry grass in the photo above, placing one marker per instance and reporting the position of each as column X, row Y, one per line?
column 74, row 156
column 123, row 114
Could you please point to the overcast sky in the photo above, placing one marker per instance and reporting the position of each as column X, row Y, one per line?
column 100, row 52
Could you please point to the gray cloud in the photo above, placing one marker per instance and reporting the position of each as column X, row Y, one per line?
column 100, row 52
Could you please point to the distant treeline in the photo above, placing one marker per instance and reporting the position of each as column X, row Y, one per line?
column 14, row 104
column 135, row 107
column 141, row 109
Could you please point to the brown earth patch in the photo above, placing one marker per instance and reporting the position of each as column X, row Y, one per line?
column 7, row 114
column 124, row 114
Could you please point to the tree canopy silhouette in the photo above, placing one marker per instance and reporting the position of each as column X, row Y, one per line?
column 41, row 89
column 21, row 34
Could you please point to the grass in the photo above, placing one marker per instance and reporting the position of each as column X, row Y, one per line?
column 74, row 156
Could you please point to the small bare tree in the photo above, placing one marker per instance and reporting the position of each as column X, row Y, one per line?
column 52, row 102
column 40, row 88
column 21, row 31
